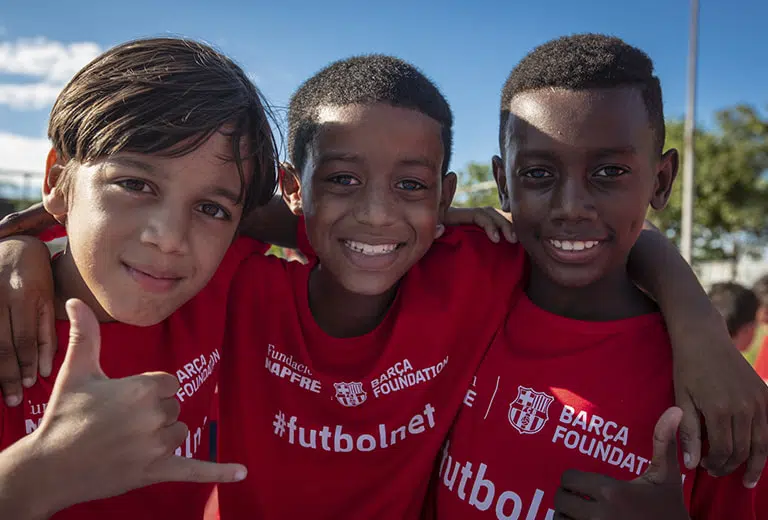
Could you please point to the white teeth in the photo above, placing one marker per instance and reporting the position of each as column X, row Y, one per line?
column 370, row 249
column 574, row 245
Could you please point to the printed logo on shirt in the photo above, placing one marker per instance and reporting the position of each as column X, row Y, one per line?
column 283, row 365
column 402, row 375
column 469, row 483
column 529, row 412
column 193, row 442
column 601, row 439
column 350, row 394
column 193, row 374
column 36, row 411
column 335, row 439
column 191, row 377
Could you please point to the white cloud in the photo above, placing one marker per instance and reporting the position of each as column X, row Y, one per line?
column 51, row 63
column 31, row 96
column 41, row 58
column 23, row 154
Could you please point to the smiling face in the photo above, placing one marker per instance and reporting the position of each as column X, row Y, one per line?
column 372, row 193
column 146, row 232
column 580, row 169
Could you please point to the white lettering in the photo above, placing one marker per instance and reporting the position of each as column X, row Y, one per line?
column 338, row 441
column 292, row 375
column 401, row 375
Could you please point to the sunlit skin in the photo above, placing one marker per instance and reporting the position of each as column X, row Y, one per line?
column 146, row 232
column 579, row 172
column 373, row 193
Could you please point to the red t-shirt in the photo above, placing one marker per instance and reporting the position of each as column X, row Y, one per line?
column 350, row 428
column 554, row 394
column 187, row 344
column 761, row 362
column 52, row 233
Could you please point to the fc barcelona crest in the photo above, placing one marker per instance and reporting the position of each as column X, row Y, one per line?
column 529, row 412
column 350, row 394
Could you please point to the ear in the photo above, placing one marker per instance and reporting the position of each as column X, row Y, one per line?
column 497, row 165
column 665, row 178
column 448, row 190
column 290, row 186
column 54, row 196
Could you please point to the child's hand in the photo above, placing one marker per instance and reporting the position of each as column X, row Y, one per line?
column 657, row 494
column 27, row 326
column 108, row 436
column 713, row 380
column 31, row 221
column 490, row 219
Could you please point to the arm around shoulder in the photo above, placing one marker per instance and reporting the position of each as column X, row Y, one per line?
column 273, row 224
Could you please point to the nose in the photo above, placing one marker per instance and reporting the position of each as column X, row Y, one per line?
column 376, row 206
column 572, row 201
column 167, row 229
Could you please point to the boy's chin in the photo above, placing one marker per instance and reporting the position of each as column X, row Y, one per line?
column 368, row 285
column 142, row 317
column 574, row 276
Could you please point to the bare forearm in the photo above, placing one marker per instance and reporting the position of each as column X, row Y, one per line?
column 656, row 265
column 272, row 224
column 30, row 221
column 26, row 484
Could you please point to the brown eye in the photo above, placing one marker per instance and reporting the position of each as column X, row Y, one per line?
column 133, row 185
column 213, row 211
column 344, row 180
column 536, row 173
column 610, row 171
column 411, row 185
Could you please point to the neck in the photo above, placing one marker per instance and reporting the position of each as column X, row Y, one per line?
column 68, row 283
column 613, row 297
column 343, row 314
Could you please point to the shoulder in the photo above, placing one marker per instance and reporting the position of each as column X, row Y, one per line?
column 465, row 252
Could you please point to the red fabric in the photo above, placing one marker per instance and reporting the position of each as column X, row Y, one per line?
column 554, row 394
column 52, row 233
column 364, row 417
column 187, row 344
column 761, row 362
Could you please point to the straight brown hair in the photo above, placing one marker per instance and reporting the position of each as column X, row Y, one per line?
column 166, row 96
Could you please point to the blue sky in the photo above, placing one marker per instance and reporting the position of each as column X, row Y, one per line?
column 468, row 50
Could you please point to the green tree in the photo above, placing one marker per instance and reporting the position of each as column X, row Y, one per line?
column 476, row 187
column 730, row 188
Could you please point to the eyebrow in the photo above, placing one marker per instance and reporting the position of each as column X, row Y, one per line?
column 537, row 154
column 419, row 161
column 595, row 152
column 326, row 157
column 232, row 197
column 133, row 163
column 354, row 158
column 614, row 150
